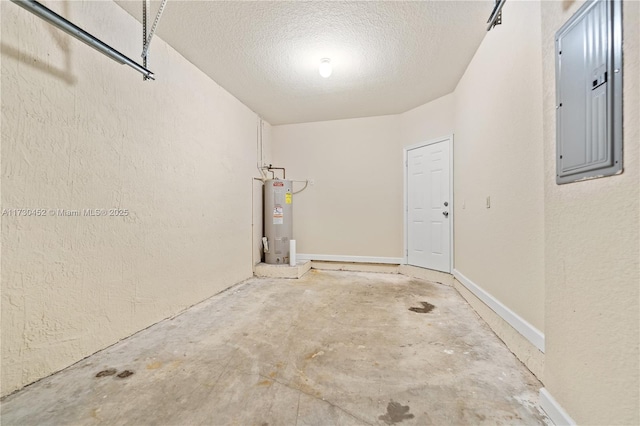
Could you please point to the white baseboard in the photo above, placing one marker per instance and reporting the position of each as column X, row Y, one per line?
column 532, row 334
column 426, row 274
column 555, row 412
column 352, row 259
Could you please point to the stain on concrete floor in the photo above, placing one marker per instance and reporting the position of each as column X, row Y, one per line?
column 125, row 374
column 107, row 372
column 396, row 413
column 329, row 348
column 426, row 308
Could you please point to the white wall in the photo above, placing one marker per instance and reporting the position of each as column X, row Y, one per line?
column 429, row 121
column 80, row 131
column 498, row 154
column 355, row 207
column 592, row 257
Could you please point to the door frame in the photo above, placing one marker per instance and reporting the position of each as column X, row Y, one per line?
column 405, row 159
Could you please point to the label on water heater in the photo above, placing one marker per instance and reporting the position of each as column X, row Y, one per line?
column 287, row 198
column 278, row 215
column 278, row 183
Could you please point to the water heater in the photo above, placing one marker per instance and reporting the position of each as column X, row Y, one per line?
column 278, row 224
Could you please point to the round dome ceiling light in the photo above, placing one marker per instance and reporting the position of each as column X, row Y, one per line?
column 325, row 67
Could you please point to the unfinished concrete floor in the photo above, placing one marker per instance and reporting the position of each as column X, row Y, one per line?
column 330, row 348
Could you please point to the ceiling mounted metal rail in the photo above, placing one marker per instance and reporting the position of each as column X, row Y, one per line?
column 145, row 6
column 77, row 32
column 154, row 26
column 496, row 14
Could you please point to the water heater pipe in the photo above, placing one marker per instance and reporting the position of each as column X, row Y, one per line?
column 284, row 173
column 306, row 183
column 292, row 252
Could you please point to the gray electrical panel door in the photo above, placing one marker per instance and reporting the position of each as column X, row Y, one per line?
column 589, row 93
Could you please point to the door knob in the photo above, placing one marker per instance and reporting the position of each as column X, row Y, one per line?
column 446, row 214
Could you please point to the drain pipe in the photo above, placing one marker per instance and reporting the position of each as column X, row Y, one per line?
column 58, row 21
column 260, row 150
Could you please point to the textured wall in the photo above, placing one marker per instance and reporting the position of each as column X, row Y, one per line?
column 498, row 154
column 80, row 131
column 592, row 239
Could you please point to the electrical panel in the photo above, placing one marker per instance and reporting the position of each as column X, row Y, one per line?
column 589, row 93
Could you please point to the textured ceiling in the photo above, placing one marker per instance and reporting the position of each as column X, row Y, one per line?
column 387, row 56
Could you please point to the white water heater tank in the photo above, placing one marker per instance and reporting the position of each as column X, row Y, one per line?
column 278, row 223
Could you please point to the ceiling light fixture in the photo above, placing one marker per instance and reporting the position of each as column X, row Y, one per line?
column 325, row 67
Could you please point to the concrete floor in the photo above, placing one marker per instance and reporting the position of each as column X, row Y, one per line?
column 330, row 348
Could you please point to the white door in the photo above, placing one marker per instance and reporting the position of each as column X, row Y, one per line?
column 428, row 207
